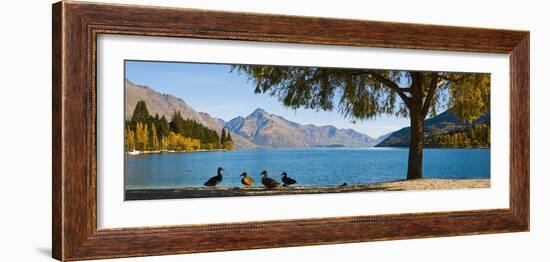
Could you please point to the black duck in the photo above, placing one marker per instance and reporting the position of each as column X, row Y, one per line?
column 215, row 180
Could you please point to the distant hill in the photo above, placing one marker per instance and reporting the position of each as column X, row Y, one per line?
column 443, row 123
column 382, row 137
column 165, row 105
column 269, row 130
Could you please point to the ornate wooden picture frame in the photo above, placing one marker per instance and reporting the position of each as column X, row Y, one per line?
column 76, row 27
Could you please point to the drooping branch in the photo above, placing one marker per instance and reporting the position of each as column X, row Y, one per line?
column 387, row 82
column 392, row 85
column 366, row 93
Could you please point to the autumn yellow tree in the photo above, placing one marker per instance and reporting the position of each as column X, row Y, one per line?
column 141, row 136
column 178, row 142
column 164, row 143
column 154, row 139
column 129, row 142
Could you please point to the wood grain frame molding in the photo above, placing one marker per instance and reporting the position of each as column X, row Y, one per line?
column 76, row 26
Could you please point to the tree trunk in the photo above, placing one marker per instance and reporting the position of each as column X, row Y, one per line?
column 416, row 146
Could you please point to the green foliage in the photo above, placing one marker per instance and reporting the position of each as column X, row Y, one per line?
column 226, row 140
column 191, row 128
column 469, row 94
column 318, row 88
column 477, row 136
column 178, row 142
column 141, row 113
column 144, row 132
column 366, row 93
column 177, row 124
column 224, row 136
column 163, row 127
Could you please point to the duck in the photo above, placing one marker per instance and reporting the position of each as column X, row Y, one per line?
column 287, row 181
column 269, row 182
column 215, row 180
column 246, row 180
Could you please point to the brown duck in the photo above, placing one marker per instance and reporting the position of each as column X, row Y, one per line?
column 268, row 182
column 246, row 180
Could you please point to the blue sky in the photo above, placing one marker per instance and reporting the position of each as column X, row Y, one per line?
column 213, row 89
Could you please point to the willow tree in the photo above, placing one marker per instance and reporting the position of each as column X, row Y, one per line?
column 361, row 94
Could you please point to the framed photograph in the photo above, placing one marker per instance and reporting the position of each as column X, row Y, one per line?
column 181, row 130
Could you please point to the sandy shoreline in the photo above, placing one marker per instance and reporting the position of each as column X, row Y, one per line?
column 401, row 185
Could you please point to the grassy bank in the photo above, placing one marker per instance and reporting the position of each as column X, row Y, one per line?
column 402, row 185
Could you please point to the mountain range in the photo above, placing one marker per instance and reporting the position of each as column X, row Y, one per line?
column 259, row 129
column 269, row 130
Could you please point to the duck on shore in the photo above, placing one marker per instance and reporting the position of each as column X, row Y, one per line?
column 268, row 182
column 287, row 181
column 215, row 180
column 246, row 180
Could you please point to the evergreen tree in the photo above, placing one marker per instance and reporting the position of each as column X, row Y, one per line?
column 163, row 127
column 156, row 119
column 141, row 113
column 192, row 129
column 224, row 136
column 228, row 142
column 177, row 125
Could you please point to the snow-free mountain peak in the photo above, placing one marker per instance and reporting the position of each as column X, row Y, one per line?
column 270, row 130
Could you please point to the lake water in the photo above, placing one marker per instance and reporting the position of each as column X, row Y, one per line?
column 309, row 166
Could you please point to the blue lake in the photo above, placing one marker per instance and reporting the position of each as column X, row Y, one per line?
column 309, row 166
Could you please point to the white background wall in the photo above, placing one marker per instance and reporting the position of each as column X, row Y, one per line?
column 25, row 124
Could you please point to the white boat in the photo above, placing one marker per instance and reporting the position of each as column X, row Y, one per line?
column 133, row 152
